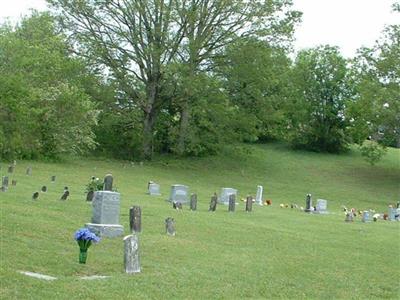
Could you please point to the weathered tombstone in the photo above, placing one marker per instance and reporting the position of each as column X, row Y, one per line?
column 44, row 189
column 170, row 226
column 321, row 206
column 135, row 219
column 4, row 183
column 179, row 193
column 11, row 169
column 65, row 195
column 308, row 203
column 176, row 205
column 249, row 204
column 105, row 219
column 29, row 171
column 13, row 182
column 89, row 195
column 153, row 189
column 225, row 193
column 232, row 203
column 131, row 254
column 392, row 214
column 193, row 202
column 213, row 202
column 35, row 196
column 108, row 182
column 365, row 216
column 259, row 195
column 349, row 217
column 53, row 178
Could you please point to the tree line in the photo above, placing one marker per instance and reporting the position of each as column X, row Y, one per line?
column 130, row 78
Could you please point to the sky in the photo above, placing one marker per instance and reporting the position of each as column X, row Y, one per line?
column 348, row 24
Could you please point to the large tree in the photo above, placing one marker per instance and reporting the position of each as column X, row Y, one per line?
column 137, row 40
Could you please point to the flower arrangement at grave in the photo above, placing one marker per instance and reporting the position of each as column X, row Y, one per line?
column 84, row 237
column 94, row 185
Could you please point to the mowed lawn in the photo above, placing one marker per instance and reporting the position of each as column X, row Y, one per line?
column 271, row 252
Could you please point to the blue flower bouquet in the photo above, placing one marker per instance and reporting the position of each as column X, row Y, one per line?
column 84, row 238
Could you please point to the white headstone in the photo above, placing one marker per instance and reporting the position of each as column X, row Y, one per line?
column 259, row 195
column 179, row 193
column 154, row 189
column 225, row 193
column 321, row 206
column 131, row 254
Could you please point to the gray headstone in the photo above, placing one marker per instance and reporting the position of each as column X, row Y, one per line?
column 29, row 171
column 349, row 217
column 259, row 195
column 4, row 183
column 65, row 195
column 44, row 189
column 11, row 169
column 170, row 226
column 308, row 203
column 131, row 254
column 392, row 214
column 366, row 216
column 108, row 182
column 179, row 193
column 213, row 203
column 225, row 193
column 53, row 178
column 135, row 219
column 321, row 207
column 89, row 195
column 232, row 202
column 249, row 204
column 105, row 219
column 193, row 202
column 154, row 189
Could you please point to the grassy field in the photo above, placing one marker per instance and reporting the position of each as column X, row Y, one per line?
column 272, row 252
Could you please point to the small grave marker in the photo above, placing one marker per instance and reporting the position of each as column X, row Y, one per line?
column 232, row 203
column 249, row 204
column 135, row 219
column 170, row 226
column 53, row 178
column 259, row 195
column 153, row 189
column 177, row 205
column 108, row 182
column 365, row 216
column 349, row 217
column 321, row 206
column 29, row 171
column 131, row 254
column 4, row 183
column 193, row 202
column 213, row 202
column 179, row 193
column 308, row 203
column 44, row 189
column 65, row 195
column 35, row 196
column 89, row 195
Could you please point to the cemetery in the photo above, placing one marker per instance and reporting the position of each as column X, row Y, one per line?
column 258, row 250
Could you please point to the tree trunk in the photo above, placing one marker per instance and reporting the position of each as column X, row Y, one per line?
column 184, row 125
column 149, row 121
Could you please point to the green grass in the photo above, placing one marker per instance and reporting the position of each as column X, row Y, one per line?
column 269, row 253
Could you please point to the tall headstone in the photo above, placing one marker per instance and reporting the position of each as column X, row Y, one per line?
column 259, row 195
column 4, row 183
column 131, row 254
column 249, row 204
column 108, row 182
column 135, row 219
column 53, row 178
column 29, row 171
column 232, row 203
column 225, row 193
column 308, row 203
column 193, row 202
column 321, row 206
column 105, row 219
column 179, row 193
column 170, row 226
column 153, row 189
column 11, row 169
column 213, row 202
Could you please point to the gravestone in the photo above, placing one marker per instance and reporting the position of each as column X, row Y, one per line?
column 193, row 202
column 232, row 203
column 53, row 178
column 392, row 214
column 108, row 182
column 35, row 196
column 89, row 195
column 176, row 205
column 170, row 226
column 135, row 219
column 249, row 204
column 213, row 202
column 259, row 195
column 365, row 216
column 4, row 183
column 321, row 207
column 308, row 203
column 29, row 171
column 11, row 169
column 44, row 189
column 153, row 189
column 13, row 182
column 65, row 195
column 179, row 193
column 105, row 218
column 225, row 193
column 349, row 217
column 131, row 254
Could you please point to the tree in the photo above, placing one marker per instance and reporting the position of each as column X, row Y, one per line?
column 320, row 90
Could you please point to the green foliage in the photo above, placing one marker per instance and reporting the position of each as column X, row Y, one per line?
column 372, row 151
column 44, row 108
column 319, row 91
